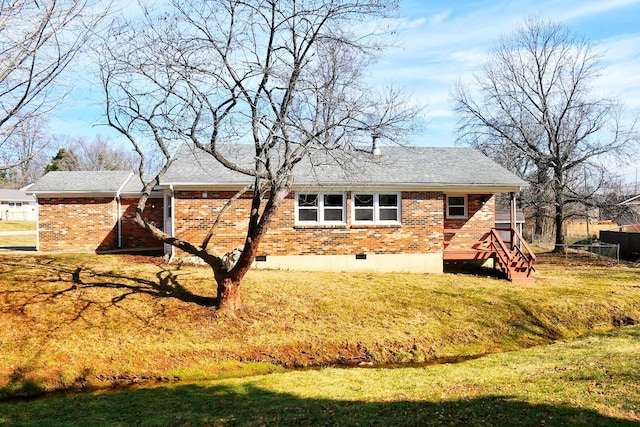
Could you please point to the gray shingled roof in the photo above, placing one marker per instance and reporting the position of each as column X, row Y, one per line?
column 134, row 185
column 10, row 195
column 422, row 167
column 397, row 166
column 96, row 182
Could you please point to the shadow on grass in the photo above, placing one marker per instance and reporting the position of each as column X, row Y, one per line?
column 250, row 405
column 166, row 284
column 17, row 248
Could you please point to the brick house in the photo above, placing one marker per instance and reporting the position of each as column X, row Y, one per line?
column 409, row 209
column 86, row 211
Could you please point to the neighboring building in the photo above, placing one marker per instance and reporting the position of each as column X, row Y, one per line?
column 627, row 234
column 409, row 209
column 17, row 205
column 503, row 223
column 631, row 215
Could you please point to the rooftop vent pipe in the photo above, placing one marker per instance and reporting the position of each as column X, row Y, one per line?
column 374, row 145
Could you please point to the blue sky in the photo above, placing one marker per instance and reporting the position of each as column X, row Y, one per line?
column 440, row 42
column 444, row 41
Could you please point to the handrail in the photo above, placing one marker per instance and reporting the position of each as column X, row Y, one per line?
column 496, row 238
column 467, row 230
column 501, row 251
column 525, row 244
column 507, row 256
column 511, row 260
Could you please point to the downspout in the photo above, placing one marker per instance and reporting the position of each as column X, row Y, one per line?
column 171, row 210
column 119, row 210
column 37, row 223
column 119, row 214
column 512, row 218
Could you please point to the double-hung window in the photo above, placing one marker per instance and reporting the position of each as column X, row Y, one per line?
column 456, row 206
column 320, row 208
column 374, row 208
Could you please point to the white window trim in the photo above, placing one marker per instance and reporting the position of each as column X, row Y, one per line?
column 376, row 208
column 466, row 210
column 321, row 220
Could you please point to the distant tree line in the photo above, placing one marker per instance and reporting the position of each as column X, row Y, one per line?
column 39, row 40
column 63, row 153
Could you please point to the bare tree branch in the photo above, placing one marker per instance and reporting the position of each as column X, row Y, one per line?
column 285, row 78
column 535, row 112
column 38, row 41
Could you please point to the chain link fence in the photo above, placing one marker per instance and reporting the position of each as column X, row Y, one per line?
column 594, row 249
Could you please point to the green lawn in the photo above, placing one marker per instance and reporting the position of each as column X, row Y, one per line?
column 73, row 322
column 589, row 381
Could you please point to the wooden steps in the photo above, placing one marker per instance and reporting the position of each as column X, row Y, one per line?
column 522, row 279
column 468, row 254
column 515, row 263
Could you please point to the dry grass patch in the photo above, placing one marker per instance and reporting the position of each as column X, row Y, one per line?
column 17, row 225
column 77, row 320
column 22, row 240
column 27, row 238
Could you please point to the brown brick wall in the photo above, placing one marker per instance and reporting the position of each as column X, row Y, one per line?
column 76, row 224
column 420, row 232
column 481, row 216
column 88, row 224
column 134, row 236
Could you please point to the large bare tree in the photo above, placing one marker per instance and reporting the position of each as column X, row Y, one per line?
column 533, row 107
column 285, row 77
column 38, row 41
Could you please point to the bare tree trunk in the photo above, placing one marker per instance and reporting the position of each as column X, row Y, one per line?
column 539, row 218
column 229, row 282
column 229, row 295
column 559, row 210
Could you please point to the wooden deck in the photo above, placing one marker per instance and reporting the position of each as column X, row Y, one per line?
column 515, row 258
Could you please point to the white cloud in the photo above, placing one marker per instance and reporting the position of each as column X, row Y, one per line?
column 416, row 23
column 621, row 59
column 594, row 8
column 440, row 45
column 439, row 18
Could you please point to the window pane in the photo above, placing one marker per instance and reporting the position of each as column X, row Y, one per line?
column 308, row 200
column 456, row 201
column 333, row 215
column 364, row 214
column 456, row 211
column 388, row 200
column 388, row 214
column 364, row 200
column 308, row 215
column 333, row 200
